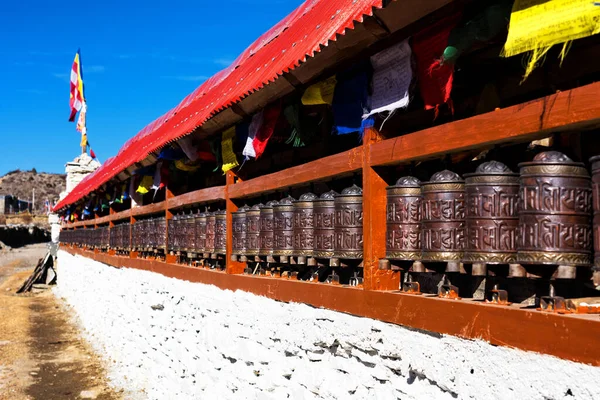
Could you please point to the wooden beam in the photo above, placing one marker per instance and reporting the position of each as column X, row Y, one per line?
column 206, row 195
column 154, row 208
column 568, row 110
column 339, row 164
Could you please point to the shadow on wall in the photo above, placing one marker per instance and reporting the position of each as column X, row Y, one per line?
column 22, row 235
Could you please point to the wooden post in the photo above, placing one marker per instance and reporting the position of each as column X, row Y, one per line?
column 374, row 219
column 233, row 267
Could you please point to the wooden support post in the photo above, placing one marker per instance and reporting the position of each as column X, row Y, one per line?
column 233, row 267
column 374, row 219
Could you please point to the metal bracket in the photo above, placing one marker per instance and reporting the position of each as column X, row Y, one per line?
column 448, row 291
column 334, row 278
column 356, row 280
column 498, row 297
column 553, row 304
column 411, row 288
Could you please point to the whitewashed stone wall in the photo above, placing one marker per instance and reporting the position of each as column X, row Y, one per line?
column 202, row 342
column 76, row 170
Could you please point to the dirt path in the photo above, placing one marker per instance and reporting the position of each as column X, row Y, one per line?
column 41, row 353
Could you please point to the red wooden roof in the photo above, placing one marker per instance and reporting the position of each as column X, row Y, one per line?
column 284, row 47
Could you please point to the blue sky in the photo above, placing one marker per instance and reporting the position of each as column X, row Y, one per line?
column 140, row 58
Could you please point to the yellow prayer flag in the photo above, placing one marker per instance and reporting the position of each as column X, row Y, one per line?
column 145, row 185
column 537, row 25
column 229, row 159
column 83, row 141
column 320, row 93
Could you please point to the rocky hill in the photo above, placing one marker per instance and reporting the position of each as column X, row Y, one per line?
column 21, row 183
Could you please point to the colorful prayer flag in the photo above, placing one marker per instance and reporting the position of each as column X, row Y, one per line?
column 536, row 26
column 320, row 92
column 76, row 97
column 229, row 159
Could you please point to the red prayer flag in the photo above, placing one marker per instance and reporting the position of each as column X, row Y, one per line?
column 435, row 79
column 270, row 117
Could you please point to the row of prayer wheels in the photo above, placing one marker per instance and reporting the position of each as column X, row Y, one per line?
column 308, row 229
column 120, row 236
column 94, row 238
column 534, row 220
column 148, row 234
column 202, row 233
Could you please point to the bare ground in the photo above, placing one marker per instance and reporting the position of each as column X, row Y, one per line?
column 42, row 355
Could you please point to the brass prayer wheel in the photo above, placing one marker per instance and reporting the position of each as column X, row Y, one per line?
column 190, row 232
column 218, row 225
column 324, row 221
column 555, row 205
column 200, row 226
column 172, row 233
column 304, row 226
column 210, row 232
column 160, row 226
column 240, row 229
column 403, row 220
column 265, row 238
column 348, row 224
column 492, row 195
column 596, row 207
column 443, row 219
column 283, row 228
column 253, row 230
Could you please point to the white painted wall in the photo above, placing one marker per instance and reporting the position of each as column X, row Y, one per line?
column 216, row 344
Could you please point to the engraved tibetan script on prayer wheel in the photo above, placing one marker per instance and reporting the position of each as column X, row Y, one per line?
column 555, row 205
column 210, row 232
column 200, row 226
column 492, row 195
column 160, row 227
column 172, row 233
column 240, row 229
column 253, row 230
column 349, row 224
column 404, row 220
column 596, row 201
column 190, row 232
column 443, row 217
column 324, row 221
column 283, row 227
column 304, row 225
column 265, row 239
column 218, row 237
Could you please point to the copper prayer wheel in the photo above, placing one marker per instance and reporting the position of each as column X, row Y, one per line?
column 253, row 230
column 160, row 226
column 190, row 232
column 492, row 195
column 283, row 228
column 265, row 239
column 403, row 220
column 596, row 207
column 304, row 226
column 348, row 224
column 555, row 205
column 443, row 219
column 200, row 226
column 210, row 232
column 219, row 232
column 172, row 233
column 239, row 229
column 324, row 221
